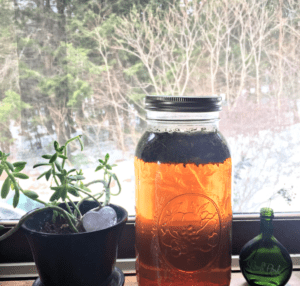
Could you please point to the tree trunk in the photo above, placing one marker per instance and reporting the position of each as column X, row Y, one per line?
column 49, row 121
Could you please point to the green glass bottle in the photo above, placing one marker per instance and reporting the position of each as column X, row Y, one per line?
column 264, row 260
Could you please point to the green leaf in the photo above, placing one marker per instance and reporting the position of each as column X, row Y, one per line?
column 108, row 167
column 55, row 196
column 41, row 164
column 101, row 161
column 1, row 227
column 19, row 169
column 53, row 158
column 80, row 177
column 47, row 156
column 10, row 166
column 73, row 191
column 106, row 157
column 20, row 176
column 64, row 193
column 61, row 149
column 1, row 153
column 56, row 145
column 59, row 192
column 58, row 166
column 16, row 198
column 99, row 168
column 61, row 177
column 40, row 176
column 48, row 174
column 76, row 178
column 82, row 186
column 5, row 188
column 31, row 194
column 72, row 170
column 86, row 189
column 1, row 170
column 59, row 188
column 62, row 156
column 18, row 164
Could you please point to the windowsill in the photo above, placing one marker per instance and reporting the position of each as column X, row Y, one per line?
column 130, row 280
column 27, row 271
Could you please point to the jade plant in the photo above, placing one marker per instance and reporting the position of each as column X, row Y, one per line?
column 67, row 182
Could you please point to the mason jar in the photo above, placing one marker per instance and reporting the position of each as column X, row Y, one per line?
column 183, row 194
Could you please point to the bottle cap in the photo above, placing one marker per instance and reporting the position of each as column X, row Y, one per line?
column 183, row 103
column 266, row 212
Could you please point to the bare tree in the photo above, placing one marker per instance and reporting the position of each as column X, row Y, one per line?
column 168, row 45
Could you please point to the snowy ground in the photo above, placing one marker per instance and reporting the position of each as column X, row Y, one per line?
column 263, row 165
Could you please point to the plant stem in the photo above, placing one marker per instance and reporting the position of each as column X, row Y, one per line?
column 64, row 160
column 16, row 185
column 25, row 217
column 76, row 207
column 84, row 199
column 69, row 210
column 106, row 186
column 100, row 195
column 91, row 196
column 96, row 181
column 54, row 175
column 107, row 192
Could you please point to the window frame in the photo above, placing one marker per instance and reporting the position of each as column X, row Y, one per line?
column 16, row 255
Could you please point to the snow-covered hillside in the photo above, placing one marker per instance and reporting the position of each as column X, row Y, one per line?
column 266, row 166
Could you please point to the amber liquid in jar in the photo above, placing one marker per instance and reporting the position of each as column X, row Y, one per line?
column 183, row 209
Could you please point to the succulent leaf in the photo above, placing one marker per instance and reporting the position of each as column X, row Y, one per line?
column 48, row 174
column 5, row 188
column 20, row 176
column 41, row 164
column 58, row 166
column 10, row 166
column 16, row 198
column 55, row 196
column 62, row 156
column 47, row 156
column 20, row 163
column 53, row 158
column 73, row 191
column 40, row 176
column 99, row 168
column 31, row 194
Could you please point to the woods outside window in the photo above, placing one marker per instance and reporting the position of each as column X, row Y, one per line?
column 71, row 67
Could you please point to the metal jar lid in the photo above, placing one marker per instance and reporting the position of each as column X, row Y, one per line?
column 183, row 103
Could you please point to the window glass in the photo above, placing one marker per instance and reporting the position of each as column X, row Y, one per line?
column 84, row 67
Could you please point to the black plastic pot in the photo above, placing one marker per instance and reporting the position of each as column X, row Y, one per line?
column 79, row 259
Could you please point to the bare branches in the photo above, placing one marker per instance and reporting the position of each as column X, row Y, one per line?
column 165, row 42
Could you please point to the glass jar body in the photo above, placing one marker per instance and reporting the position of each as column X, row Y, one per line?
column 183, row 204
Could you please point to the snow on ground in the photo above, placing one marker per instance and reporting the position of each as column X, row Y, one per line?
column 263, row 165
column 271, row 163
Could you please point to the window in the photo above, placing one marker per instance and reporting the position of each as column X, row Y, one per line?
column 84, row 67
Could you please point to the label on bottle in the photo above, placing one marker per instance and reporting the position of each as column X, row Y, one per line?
column 263, row 267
